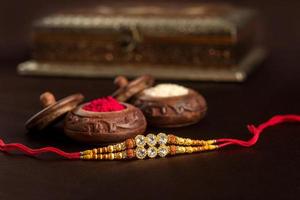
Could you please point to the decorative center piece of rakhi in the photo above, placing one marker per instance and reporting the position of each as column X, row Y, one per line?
column 153, row 146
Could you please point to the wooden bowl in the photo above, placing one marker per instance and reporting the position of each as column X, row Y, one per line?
column 174, row 111
column 95, row 127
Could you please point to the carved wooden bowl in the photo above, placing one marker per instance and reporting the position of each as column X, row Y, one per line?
column 94, row 127
column 174, row 111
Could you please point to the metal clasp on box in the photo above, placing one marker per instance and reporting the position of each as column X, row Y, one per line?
column 130, row 39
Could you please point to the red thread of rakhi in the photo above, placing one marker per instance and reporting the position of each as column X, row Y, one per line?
column 220, row 143
column 106, row 104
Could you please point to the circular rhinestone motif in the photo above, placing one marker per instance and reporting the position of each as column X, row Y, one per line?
column 163, row 151
column 162, row 138
column 140, row 140
column 152, row 152
column 151, row 139
column 140, row 152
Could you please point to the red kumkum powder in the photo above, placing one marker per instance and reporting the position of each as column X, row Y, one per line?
column 106, row 104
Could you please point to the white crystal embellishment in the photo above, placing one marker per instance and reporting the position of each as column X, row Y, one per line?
column 151, row 139
column 140, row 152
column 152, row 152
column 140, row 140
column 162, row 138
column 163, row 151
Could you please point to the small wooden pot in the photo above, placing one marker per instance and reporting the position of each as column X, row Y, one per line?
column 174, row 111
column 93, row 127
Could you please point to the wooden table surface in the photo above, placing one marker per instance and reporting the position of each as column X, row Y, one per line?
column 268, row 170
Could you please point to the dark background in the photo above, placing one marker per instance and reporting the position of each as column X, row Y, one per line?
column 268, row 170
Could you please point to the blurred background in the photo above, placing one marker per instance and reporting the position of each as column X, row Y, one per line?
column 17, row 16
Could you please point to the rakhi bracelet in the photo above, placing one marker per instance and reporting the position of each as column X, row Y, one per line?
column 137, row 147
column 153, row 146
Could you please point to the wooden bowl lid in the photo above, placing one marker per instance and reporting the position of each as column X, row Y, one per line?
column 129, row 89
column 52, row 111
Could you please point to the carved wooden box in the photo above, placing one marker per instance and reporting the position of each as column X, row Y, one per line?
column 175, row 41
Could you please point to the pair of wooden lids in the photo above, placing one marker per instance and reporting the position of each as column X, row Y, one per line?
column 54, row 110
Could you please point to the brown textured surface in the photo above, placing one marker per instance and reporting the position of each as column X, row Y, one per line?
column 270, row 170
column 132, row 88
column 177, row 111
column 96, row 127
column 139, row 35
